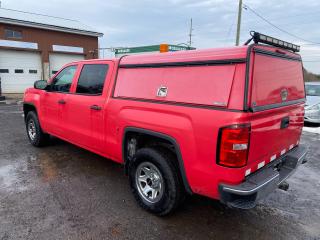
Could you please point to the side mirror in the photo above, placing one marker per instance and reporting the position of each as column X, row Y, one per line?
column 40, row 84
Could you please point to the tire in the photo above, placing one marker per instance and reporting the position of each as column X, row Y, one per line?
column 35, row 134
column 159, row 161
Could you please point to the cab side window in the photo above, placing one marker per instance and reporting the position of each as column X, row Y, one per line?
column 92, row 78
column 62, row 82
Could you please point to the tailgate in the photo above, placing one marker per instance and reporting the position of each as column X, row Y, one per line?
column 277, row 104
column 273, row 133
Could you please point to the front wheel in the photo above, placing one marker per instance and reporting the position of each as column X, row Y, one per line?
column 35, row 134
column 155, row 180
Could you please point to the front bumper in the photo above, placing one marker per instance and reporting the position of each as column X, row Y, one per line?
column 312, row 116
column 263, row 182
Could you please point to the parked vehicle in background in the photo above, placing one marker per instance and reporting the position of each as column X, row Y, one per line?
column 312, row 107
column 224, row 123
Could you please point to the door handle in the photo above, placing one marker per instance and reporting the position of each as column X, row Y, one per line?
column 285, row 122
column 95, row 107
column 61, row 101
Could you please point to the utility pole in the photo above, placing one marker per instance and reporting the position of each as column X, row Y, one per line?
column 190, row 33
column 239, row 23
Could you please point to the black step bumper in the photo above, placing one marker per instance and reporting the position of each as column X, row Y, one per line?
column 263, row 182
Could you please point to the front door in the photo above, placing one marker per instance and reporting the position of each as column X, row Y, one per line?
column 55, row 100
column 86, row 107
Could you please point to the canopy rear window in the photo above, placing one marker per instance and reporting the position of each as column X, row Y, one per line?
column 276, row 81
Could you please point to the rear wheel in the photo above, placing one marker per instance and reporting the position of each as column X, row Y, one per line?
column 35, row 134
column 155, row 181
column 149, row 182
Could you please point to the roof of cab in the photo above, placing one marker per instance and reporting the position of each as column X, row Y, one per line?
column 94, row 60
column 230, row 53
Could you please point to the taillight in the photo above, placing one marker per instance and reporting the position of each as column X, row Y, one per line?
column 233, row 145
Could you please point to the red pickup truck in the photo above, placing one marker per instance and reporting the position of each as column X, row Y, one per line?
column 224, row 123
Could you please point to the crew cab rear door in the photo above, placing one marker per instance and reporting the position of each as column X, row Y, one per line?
column 276, row 99
column 84, row 116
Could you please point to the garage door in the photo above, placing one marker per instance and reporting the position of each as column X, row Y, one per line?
column 58, row 60
column 19, row 70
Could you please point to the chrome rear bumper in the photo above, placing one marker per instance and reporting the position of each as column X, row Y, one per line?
column 261, row 183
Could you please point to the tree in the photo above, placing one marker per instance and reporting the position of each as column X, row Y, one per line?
column 310, row 77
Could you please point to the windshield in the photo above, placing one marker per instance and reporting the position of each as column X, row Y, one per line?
column 313, row 90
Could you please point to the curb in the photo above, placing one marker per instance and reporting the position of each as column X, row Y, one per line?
column 11, row 102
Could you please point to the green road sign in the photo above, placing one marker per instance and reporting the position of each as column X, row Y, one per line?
column 151, row 48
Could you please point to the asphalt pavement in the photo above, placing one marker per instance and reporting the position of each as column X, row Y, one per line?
column 64, row 192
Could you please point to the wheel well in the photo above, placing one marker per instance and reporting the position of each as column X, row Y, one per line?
column 135, row 139
column 28, row 108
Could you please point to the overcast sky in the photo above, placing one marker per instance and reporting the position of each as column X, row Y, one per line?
column 128, row 23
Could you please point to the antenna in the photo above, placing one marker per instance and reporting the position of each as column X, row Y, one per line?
column 190, row 33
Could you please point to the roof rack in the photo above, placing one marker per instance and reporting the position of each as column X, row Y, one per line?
column 262, row 38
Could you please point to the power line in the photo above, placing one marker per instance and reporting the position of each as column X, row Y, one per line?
column 231, row 27
column 300, row 14
column 290, row 17
column 38, row 14
column 275, row 26
column 292, row 23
